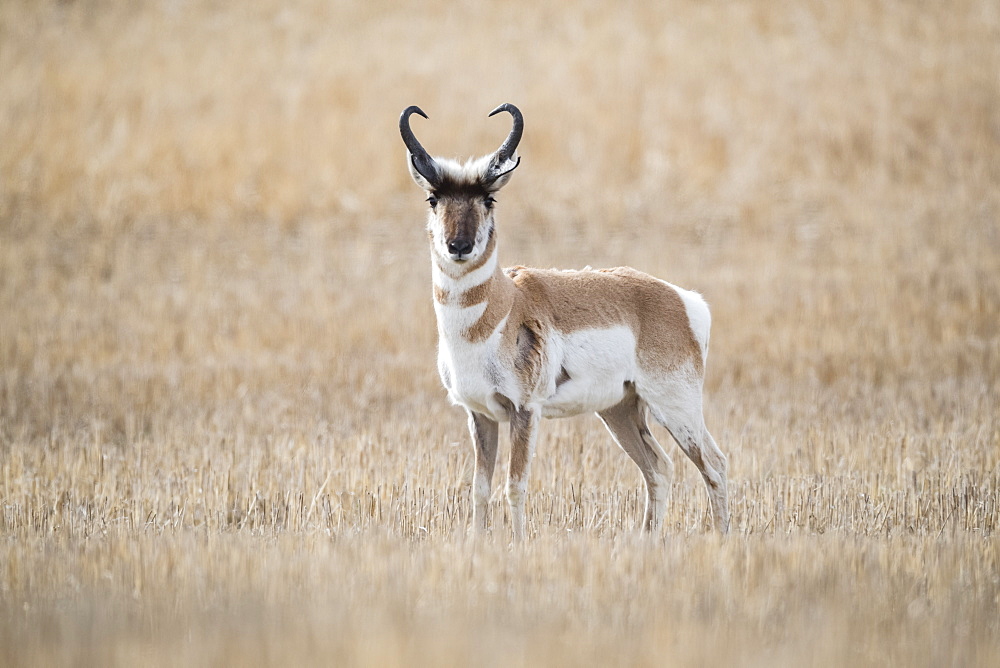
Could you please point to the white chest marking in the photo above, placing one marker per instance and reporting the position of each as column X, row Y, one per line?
column 472, row 372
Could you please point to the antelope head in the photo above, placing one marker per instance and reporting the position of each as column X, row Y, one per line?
column 460, row 221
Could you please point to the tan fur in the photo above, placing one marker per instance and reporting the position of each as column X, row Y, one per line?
column 520, row 421
column 459, row 216
column 569, row 301
column 475, row 295
column 499, row 296
column 529, row 353
column 485, row 437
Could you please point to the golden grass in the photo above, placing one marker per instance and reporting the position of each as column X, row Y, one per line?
column 222, row 438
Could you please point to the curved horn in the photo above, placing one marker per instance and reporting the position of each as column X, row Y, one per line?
column 422, row 162
column 498, row 165
column 507, row 149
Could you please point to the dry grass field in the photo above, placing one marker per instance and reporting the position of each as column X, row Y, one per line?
column 222, row 436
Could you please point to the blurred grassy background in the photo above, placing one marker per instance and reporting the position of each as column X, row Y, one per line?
column 218, row 399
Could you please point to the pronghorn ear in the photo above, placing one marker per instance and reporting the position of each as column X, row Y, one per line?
column 415, row 174
column 494, row 181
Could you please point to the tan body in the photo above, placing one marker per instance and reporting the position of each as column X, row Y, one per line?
column 520, row 344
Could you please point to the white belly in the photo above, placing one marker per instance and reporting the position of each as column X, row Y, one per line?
column 598, row 363
column 586, row 371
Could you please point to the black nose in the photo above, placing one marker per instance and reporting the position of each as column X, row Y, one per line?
column 460, row 247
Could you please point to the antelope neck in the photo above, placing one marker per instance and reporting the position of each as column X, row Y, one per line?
column 473, row 304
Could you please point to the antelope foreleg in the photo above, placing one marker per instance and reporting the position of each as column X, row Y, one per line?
column 485, row 434
column 523, row 434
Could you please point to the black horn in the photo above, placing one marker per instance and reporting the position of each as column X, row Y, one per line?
column 422, row 162
column 499, row 165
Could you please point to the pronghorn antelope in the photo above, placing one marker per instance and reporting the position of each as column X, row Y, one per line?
column 520, row 344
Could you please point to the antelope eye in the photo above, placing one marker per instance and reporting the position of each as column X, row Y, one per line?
column 433, row 201
column 489, row 202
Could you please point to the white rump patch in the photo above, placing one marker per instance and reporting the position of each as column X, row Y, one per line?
column 699, row 317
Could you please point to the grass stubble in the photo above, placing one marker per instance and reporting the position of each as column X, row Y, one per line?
column 222, row 438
